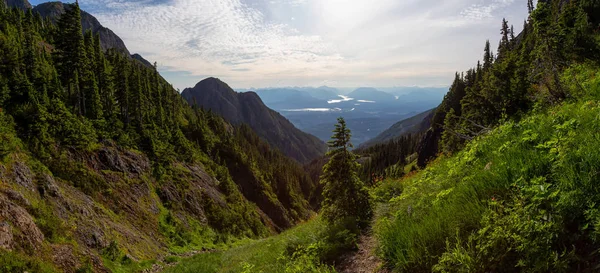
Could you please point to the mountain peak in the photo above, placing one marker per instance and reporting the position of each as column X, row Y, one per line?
column 22, row 4
column 248, row 108
column 108, row 39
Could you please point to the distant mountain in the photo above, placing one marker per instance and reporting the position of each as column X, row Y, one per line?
column 323, row 92
column 423, row 95
column 22, row 4
column 372, row 94
column 415, row 124
column 282, row 94
column 249, row 109
column 108, row 39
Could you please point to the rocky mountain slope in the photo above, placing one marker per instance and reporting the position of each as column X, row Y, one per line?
column 248, row 108
column 131, row 173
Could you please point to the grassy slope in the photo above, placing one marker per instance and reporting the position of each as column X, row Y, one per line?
column 523, row 192
column 266, row 255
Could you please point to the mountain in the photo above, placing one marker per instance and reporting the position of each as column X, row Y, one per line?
column 108, row 39
column 423, row 95
column 323, row 92
column 248, row 108
column 372, row 94
column 284, row 95
column 416, row 124
column 21, row 4
column 106, row 166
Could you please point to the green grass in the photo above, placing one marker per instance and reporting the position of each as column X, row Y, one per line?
column 266, row 255
column 523, row 196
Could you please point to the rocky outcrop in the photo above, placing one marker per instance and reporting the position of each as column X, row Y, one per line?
column 28, row 233
column 6, row 236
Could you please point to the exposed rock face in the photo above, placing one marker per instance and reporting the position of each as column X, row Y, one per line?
column 22, row 175
column 248, row 108
column 20, row 219
column 6, row 236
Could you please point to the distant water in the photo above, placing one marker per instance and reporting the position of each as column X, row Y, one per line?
column 344, row 98
column 314, row 110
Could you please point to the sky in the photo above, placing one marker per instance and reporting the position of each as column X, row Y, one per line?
column 338, row 43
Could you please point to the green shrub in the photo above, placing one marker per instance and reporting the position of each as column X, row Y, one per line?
column 11, row 262
column 522, row 198
column 306, row 259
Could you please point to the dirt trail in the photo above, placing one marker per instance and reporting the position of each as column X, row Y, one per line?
column 363, row 260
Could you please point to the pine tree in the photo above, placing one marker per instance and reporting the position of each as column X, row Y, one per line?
column 70, row 49
column 488, row 56
column 530, row 6
column 505, row 39
column 345, row 196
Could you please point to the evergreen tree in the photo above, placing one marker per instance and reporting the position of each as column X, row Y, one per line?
column 488, row 56
column 345, row 197
column 530, row 6
column 70, row 51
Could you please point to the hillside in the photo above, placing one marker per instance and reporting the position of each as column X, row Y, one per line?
column 416, row 124
column 104, row 167
column 248, row 108
column 510, row 162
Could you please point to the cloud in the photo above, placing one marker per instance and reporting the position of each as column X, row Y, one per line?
column 480, row 11
column 306, row 42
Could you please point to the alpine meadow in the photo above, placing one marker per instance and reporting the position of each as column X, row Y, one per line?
column 107, row 166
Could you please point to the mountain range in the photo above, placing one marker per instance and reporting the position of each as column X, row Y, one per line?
column 368, row 111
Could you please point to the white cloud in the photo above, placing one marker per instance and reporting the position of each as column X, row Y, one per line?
column 486, row 10
column 307, row 42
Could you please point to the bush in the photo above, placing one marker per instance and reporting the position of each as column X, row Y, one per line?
column 11, row 262
column 306, row 260
column 524, row 198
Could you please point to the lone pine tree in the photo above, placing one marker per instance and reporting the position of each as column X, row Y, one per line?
column 345, row 197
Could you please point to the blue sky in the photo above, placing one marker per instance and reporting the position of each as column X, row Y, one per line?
column 339, row 43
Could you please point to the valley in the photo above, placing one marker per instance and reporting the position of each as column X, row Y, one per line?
column 368, row 111
column 116, row 161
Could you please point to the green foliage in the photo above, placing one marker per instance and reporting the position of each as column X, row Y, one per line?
column 274, row 254
column 344, row 194
column 526, row 71
column 63, row 96
column 520, row 199
column 8, row 140
column 49, row 223
column 306, row 259
column 12, row 262
column 387, row 160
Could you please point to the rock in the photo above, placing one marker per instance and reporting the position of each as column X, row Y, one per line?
column 111, row 159
column 16, row 197
column 29, row 233
column 63, row 257
column 48, row 186
column 22, row 175
column 6, row 236
column 91, row 236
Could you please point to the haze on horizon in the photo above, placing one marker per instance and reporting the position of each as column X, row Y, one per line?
column 279, row 43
